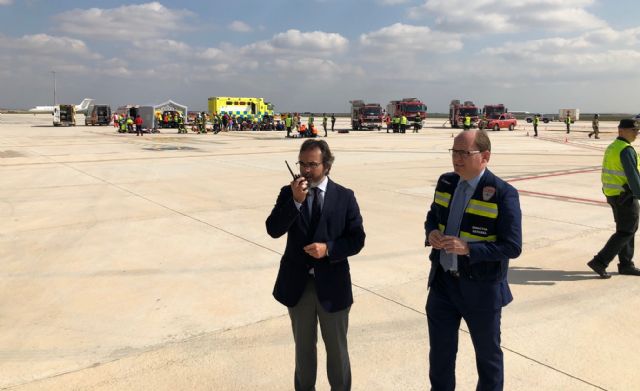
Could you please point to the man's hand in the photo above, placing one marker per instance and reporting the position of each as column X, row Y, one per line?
column 316, row 250
column 435, row 239
column 454, row 245
column 300, row 188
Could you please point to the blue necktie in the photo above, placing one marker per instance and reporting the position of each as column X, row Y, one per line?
column 456, row 210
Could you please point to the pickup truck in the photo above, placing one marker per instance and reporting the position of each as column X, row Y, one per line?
column 546, row 118
column 501, row 121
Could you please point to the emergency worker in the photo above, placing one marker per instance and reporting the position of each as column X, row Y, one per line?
column 138, row 121
column 467, row 122
column 310, row 121
column 536, row 122
column 474, row 227
column 595, row 125
column 567, row 121
column 396, row 123
column 288, row 122
column 181, row 127
column 324, row 123
column 123, row 124
column 333, row 121
column 621, row 186
column 403, row 124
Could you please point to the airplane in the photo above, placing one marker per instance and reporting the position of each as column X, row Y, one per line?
column 82, row 108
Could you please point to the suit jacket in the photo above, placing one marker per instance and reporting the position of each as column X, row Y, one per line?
column 483, row 273
column 340, row 226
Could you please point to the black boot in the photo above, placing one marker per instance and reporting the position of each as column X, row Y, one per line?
column 599, row 268
column 629, row 270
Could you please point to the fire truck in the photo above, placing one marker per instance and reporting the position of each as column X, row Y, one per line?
column 487, row 110
column 412, row 108
column 365, row 115
column 457, row 112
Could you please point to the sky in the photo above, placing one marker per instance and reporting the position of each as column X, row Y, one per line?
column 317, row 55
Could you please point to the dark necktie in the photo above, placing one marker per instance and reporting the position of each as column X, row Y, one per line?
column 316, row 211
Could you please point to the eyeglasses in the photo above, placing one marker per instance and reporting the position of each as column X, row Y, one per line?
column 462, row 153
column 311, row 165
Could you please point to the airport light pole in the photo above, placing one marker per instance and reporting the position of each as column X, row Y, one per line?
column 54, row 87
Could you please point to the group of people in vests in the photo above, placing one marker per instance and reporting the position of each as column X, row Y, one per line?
column 397, row 123
column 292, row 123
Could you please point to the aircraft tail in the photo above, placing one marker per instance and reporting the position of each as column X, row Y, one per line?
column 84, row 104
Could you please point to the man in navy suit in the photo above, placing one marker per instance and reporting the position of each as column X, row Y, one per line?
column 474, row 226
column 323, row 226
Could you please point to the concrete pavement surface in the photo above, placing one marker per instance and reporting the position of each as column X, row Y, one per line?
column 142, row 263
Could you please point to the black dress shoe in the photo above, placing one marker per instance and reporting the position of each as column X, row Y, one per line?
column 629, row 270
column 598, row 268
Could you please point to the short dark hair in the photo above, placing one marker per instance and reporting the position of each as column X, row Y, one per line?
column 327, row 156
column 482, row 140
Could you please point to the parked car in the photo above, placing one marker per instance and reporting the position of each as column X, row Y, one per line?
column 546, row 118
column 501, row 121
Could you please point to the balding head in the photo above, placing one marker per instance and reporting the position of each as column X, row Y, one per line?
column 470, row 153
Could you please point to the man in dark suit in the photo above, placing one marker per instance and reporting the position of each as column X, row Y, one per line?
column 323, row 226
column 475, row 227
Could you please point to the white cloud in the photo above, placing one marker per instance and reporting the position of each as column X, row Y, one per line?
column 590, row 55
column 403, row 38
column 500, row 16
column 127, row 22
column 293, row 43
column 392, row 2
column 240, row 27
column 6, row 2
column 312, row 41
column 47, row 45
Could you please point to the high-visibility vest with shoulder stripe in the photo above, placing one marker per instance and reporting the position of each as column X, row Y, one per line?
column 613, row 176
column 479, row 218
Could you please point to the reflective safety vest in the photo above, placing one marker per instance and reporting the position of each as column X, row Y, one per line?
column 467, row 120
column 479, row 218
column 287, row 122
column 613, row 176
column 403, row 120
column 567, row 120
column 536, row 120
column 396, row 120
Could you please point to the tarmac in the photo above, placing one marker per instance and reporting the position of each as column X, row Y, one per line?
column 142, row 263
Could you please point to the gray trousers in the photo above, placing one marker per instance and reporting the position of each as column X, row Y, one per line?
column 333, row 325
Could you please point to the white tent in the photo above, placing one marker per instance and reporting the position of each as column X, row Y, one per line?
column 168, row 106
column 171, row 106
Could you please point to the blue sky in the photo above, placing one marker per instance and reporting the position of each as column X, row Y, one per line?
column 534, row 55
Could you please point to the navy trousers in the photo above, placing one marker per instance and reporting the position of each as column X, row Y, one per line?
column 445, row 309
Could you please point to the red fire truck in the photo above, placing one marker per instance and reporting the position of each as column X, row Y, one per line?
column 365, row 115
column 412, row 108
column 457, row 112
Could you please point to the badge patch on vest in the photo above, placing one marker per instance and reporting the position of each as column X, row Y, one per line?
column 482, row 231
column 488, row 192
